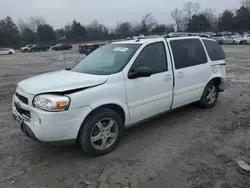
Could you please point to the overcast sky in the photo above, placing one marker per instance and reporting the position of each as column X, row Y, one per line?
column 60, row 12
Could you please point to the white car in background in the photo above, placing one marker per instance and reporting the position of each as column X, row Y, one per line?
column 235, row 39
column 7, row 51
column 26, row 48
column 247, row 38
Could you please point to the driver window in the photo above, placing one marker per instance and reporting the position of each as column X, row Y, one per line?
column 152, row 56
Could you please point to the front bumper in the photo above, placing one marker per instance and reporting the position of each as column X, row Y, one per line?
column 50, row 126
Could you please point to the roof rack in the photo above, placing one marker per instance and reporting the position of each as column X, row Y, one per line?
column 173, row 35
column 146, row 37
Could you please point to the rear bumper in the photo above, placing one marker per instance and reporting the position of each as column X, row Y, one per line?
column 223, row 86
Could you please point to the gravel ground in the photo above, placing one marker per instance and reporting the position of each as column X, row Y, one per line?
column 187, row 148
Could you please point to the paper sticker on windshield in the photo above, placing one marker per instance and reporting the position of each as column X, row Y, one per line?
column 120, row 49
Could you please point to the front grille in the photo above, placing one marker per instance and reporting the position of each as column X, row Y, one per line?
column 22, row 98
column 22, row 111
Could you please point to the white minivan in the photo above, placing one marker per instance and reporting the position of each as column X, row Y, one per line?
column 117, row 86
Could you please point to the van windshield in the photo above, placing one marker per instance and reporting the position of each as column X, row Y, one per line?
column 108, row 59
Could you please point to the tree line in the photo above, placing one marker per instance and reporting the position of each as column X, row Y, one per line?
column 190, row 18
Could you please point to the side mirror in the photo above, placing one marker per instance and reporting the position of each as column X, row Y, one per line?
column 140, row 72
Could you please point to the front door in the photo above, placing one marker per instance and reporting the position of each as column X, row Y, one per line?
column 148, row 96
column 191, row 70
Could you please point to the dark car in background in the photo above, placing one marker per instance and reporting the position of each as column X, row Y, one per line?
column 62, row 47
column 39, row 47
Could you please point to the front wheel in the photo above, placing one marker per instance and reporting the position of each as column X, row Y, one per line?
column 101, row 132
column 209, row 96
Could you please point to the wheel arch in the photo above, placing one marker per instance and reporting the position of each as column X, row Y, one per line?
column 112, row 106
column 216, row 80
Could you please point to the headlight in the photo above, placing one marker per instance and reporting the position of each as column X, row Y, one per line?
column 51, row 102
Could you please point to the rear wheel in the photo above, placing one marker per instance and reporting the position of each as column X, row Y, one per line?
column 244, row 42
column 10, row 53
column 209, row 96
column 101, row 132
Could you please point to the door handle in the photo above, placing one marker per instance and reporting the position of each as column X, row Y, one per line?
column 167, row 77
column 179, row 75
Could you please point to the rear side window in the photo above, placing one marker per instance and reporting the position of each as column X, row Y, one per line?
column 188, row 52
column 154, row 57
column 214, row 50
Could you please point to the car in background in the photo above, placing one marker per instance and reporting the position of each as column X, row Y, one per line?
column 204, row 35
column 39, row 47
column 91, row 47
column 234, row 39
column 62, row 47
column 218, row 38
column 26, row 48
column 247, row 38
column 7, row 51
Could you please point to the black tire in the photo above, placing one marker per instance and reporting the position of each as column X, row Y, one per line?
column 10, row 53
column 244, row 42
column 84, row 137
column 204, row 101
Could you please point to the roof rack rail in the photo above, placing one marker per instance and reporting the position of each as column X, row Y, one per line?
column 146, row 37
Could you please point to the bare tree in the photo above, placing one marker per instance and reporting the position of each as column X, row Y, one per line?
column 22, row 25
column 35, row 22
column 32, row 23
column 123, row 29
column 190, row 9
column 209, row 13
column 96, row 29
column 148, row 22
column 246, row 3
column 177, row 16
column 136, row 28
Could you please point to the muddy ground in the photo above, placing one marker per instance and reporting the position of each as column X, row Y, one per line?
column 187, row 148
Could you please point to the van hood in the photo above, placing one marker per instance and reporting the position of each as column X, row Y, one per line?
column 60, row 81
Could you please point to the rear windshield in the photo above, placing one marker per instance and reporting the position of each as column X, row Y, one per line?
column 214, row 50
